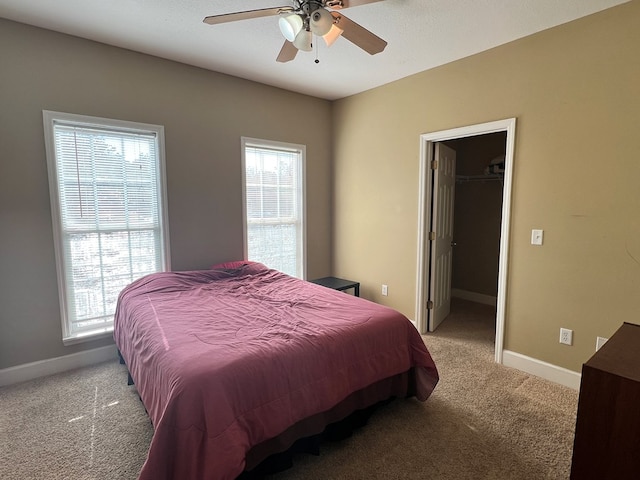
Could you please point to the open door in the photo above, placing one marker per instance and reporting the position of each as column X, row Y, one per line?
column 427, row 142
column 441, row 234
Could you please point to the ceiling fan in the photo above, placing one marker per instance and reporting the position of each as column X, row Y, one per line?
column 298, row 24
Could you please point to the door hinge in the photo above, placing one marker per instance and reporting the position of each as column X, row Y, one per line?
column 430, row 305
column 432, row 235
column 434, row 164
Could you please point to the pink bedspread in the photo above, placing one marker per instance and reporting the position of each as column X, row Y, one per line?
column 225, row 359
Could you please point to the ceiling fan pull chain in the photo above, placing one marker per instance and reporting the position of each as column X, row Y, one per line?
column 315, row 44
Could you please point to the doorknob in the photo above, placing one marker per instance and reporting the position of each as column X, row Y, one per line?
column 453, row 244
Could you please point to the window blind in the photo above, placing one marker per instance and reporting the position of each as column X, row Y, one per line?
column 109, row 203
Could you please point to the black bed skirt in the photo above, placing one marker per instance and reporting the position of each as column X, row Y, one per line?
column 277, row 454
column 311, row 445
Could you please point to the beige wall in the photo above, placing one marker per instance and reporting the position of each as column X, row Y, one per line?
column 204, row 115
column 575, row 92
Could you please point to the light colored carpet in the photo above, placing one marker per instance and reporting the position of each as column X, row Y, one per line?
column 484, row 421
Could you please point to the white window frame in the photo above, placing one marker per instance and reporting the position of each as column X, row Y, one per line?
column 289, row 147
column 50, row 119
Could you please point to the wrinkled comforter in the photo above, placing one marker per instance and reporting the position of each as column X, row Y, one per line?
column 224, row 359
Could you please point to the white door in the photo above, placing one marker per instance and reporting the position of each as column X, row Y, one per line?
column 444, row 182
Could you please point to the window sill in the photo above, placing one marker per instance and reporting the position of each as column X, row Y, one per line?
column 89, row 336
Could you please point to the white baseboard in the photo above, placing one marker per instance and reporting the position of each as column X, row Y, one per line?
column 474, row 297
column 29, row 371
column 550, row 372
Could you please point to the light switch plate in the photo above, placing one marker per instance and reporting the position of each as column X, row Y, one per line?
column 536, row 237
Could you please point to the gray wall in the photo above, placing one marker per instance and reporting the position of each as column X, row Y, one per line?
column 204, row 115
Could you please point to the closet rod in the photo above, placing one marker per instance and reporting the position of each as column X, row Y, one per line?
column 478, row 178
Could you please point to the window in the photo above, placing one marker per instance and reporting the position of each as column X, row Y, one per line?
column 274, row 204
column 107, row 186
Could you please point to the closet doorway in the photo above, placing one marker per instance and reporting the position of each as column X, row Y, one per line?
column 481, row 218
column 477, row 216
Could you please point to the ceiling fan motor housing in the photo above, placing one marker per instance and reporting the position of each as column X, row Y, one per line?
column 310, row 6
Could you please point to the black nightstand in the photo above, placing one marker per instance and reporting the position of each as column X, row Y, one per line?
column 338, row 284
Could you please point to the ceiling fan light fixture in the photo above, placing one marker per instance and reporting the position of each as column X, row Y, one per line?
column 333, row 34
column 290, row 26
column 303, row 41
column 320, row 22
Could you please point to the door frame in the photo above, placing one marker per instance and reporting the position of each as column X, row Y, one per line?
column 425, row 193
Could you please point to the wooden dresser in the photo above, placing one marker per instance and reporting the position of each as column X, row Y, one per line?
column 607, row 438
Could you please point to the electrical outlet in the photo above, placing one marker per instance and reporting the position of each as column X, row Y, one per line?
column 566, row 336
column 385, row 290
column 599, row 342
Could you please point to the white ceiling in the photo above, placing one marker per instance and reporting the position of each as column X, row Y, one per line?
column 421, row 35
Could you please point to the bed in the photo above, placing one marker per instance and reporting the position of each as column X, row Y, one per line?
column 237, row 362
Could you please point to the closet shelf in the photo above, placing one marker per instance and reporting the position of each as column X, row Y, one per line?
column 478, row 178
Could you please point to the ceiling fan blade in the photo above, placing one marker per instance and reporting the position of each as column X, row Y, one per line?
column 338, row 4
column 359, row 35
column 287, row 53
column 232, row 17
